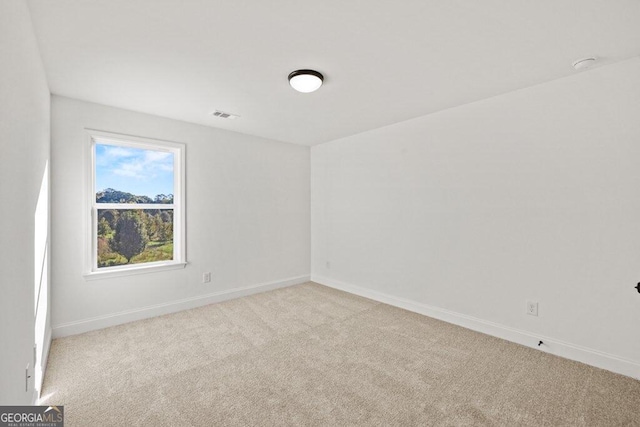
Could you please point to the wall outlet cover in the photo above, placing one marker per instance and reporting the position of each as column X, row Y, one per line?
column 532, row 308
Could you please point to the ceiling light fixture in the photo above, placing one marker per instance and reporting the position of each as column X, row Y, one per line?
column 306, row 81
column 583, row 63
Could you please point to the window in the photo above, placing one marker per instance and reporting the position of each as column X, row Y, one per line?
column 136, row 205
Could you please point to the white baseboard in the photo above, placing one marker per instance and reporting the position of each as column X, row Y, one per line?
column 563, row 349
column 100, row 322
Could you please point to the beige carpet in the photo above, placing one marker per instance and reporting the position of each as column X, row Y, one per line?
column 311, row 355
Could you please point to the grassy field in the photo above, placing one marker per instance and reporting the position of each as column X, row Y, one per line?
column 154, row 251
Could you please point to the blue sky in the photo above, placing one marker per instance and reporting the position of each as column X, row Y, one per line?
column 134, row 170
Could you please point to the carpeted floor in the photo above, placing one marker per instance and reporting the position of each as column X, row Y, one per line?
column 311, row 355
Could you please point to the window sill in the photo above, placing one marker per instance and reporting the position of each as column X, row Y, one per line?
column 129, row 271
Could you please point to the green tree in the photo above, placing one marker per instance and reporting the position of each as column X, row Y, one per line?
column 130, row 236
column 164, row 198
column 151, row 226
column 158, row 225
column 111, row 216
column 104, row 229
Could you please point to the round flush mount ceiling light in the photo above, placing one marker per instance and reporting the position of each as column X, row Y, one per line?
column 583, row 63
column 306, row 81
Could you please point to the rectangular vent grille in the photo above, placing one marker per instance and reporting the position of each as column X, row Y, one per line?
column 224, row 115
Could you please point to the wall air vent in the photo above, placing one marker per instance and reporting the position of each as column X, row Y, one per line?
column 223, row 115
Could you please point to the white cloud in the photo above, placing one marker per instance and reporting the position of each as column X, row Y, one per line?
column 143, row 164
column 116, row 152
column 155, row 156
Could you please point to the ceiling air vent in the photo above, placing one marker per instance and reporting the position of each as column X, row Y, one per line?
column 224, row 115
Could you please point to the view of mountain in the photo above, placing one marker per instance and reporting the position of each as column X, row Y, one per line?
column 110, row 195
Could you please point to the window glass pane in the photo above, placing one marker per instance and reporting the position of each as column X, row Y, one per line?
column 134, row 236
column 133, row 175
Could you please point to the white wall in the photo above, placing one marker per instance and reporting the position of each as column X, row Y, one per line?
column 467, row 213
column 248, row 220
column 24, row 153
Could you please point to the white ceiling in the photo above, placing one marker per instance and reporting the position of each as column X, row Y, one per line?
column 383, row 61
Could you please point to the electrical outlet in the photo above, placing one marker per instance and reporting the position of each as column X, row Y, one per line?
column 206, row 277
column 328, row 264
column 532, row 308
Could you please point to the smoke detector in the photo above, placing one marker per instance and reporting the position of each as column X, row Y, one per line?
column 224, row 115
column 583, row 63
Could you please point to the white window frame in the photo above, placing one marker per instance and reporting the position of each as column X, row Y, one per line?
column 91, row 206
